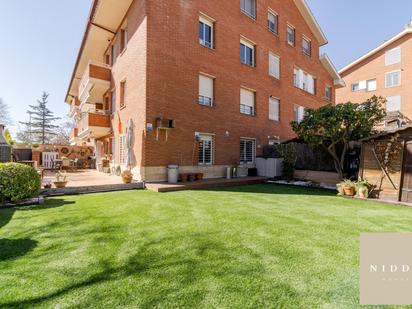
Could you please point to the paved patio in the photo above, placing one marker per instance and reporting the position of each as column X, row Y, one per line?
column 83, row 178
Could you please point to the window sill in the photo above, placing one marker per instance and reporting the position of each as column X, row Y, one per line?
column 207, row 47
column 307, row 92
column 290, row 44
column 249, row 66
column 248, row 15
column 123, row 107
column 276, row 34
column 203, row 105
column 123, row 51
column 250, row 115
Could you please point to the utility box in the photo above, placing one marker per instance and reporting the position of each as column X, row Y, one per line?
column 271, row 167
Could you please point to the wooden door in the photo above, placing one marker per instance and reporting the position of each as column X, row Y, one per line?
column 406, row 192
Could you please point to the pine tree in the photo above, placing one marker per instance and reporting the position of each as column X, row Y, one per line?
column 41, row 124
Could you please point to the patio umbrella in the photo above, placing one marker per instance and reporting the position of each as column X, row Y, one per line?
column 129, row 146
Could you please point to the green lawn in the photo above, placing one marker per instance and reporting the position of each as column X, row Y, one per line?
column 262, row 246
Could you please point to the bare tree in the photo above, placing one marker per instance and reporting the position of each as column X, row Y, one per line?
column 4, row 113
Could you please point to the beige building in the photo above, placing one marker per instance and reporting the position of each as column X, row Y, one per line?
column 385, row 71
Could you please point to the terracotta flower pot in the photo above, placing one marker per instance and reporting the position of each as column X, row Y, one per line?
column 127, row 179
column 60, row 184
column 349, row 191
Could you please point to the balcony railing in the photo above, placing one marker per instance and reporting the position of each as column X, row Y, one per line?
column 96, row 77
column 94, row 124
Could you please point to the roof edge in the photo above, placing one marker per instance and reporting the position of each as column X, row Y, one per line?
column 311, row 20
column 330, row 67
column 375, row 50
column 79, row 54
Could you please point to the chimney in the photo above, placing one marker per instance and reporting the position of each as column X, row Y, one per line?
column 409, row 25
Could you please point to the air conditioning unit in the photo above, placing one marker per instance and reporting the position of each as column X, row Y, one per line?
column 164, row 123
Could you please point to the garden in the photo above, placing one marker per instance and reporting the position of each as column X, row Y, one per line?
column 259, row 246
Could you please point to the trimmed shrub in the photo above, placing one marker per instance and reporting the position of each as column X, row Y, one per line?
column 17, row 182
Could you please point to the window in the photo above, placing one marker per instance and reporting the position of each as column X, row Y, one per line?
column 114, row 53
column 248, row 7
column 122, row 149
column 371, row 85
column 328, row 93
column 393, row 104
column 299, row 113
column 205, row 32
column 247, row 53
column 122, row 94
column 272, row 22
column 306, row 47
column 304, row 81
column 393, row 79
column 247, row 151
column 355, row 87
column 206, row 145
column 247, row 102
column 123, row 39
column 113, row 101
column 205, row 90
column 393, row 56
column 107, row 59
column 274, row 109
column 274, row 66
column 291, row 35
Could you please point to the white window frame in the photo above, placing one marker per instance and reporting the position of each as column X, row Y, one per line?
column 207, row 21
column 211, row 138
column 243, row 151
column 309, row 42
column 389, row 53
column 291, row 43
column 250, row 45
column 204, row 100
column 400, row 103
column 299, row 112
column 244, row 107
column 390, row 74
column 277, row 73
column 355, row 87
column 274, row 103
column 243, row 9
column 368, row 85
column 304, row 81
column 276, row 16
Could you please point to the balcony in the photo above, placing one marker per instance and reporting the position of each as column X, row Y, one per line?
column 74, row 137
column 95, row 82
column 74, row 107
column 94, row 124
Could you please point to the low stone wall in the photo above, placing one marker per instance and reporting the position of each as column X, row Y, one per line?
column 325, row 178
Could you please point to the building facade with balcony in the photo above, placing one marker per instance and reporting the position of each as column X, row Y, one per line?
column 205, row 84
column 385, row 72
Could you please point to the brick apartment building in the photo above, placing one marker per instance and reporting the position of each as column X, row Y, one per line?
column 206, row 84
column 385, row 71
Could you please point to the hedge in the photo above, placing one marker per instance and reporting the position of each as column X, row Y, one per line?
column 18, row 182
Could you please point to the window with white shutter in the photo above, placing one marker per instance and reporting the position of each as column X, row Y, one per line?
column 371, row 85
column 362, row 85
column 248, row 7
column 304, row 81
column 274, row 109
column 247, row 151
column 247, row 102
column 274, row 66
column 392, row 79
column 299, row 112
column 205, row 90
column 206, row 148
column 122, row 149
column 393, row 56
column 393, row 103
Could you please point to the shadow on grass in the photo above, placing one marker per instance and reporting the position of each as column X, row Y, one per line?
column 166, row 260
column 275, row 189
column 15, row 248
column 49, row 203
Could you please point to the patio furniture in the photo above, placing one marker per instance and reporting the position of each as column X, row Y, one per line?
column 74, row 165
column 29, row 163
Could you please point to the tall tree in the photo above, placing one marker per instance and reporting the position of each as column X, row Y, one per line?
column 41, row 124
column 4, row 113
column 334, row 126
column 62, row 136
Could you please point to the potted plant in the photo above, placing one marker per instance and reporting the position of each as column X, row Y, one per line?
column 339, row 188
column 362, row 188
column 349, row 187
column 127, row 176
column 61, row 180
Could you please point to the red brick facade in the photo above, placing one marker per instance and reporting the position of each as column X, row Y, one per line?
column 161, row 64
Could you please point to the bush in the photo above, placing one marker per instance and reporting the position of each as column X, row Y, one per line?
column 17, row 182
column 289, row 154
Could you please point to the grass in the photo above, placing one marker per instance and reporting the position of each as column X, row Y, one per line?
column 261, row 246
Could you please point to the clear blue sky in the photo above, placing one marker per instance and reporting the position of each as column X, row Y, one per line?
column 41, row 38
